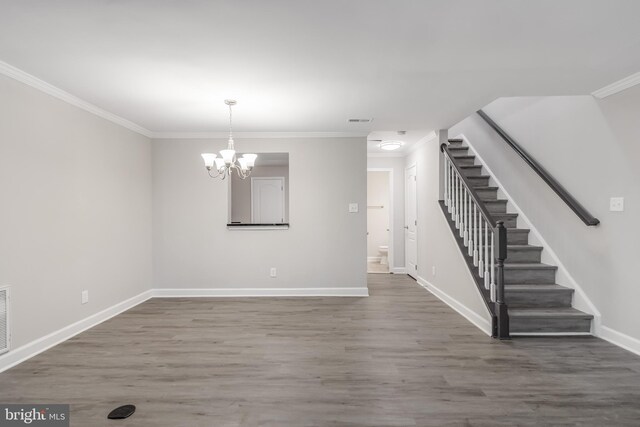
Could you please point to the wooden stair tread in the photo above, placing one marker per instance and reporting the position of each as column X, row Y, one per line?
column 559, row 312
column 529, row 266
column 543, row 287
column 524, row 247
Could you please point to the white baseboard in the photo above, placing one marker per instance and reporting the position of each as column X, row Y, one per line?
column 373, row 259
column 482, row 323
column 399, row 270
column 27, row 351
column 262, row 292
column 621, row 340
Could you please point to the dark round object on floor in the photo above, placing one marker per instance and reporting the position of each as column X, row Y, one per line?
column 122, row 412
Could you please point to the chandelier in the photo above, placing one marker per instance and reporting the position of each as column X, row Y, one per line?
column 223, row 166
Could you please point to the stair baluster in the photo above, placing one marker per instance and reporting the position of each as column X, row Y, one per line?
column 446, row 178
column 487, row 279
column 480, row 252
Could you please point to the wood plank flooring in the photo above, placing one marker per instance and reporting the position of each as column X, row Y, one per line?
column 398, row 358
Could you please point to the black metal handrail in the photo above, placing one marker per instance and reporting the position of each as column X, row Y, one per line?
column 566, row 197
column 499, row 307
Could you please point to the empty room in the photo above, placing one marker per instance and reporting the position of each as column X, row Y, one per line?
column 328, row 213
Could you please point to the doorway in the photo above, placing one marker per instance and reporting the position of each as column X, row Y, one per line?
column 411, row 222
column 267, row 200
column 379, row 220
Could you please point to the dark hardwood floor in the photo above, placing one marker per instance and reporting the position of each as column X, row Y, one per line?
column 398, row 358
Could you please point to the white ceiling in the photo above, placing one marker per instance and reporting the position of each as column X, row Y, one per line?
column 410, row 139
column 308, row 66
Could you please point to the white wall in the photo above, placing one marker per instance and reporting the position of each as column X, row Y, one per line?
column 325, row 246
column 591, row 147
column 437, row 247
column 76, row 208
column 377, row 217
column 241, row 192
column 397, row 165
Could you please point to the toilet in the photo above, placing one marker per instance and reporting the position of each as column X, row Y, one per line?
column 384, row 252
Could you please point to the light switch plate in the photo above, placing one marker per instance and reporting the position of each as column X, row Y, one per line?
column 353, row 207
column 616, row 204
column 85, row 297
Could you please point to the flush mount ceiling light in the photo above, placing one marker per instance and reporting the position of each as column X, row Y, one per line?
column 390, row 145
column 224, row 165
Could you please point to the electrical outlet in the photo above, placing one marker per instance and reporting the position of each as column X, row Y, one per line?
column 433, row 270
column 353, row 207
column 616, row 204
column 85, row 297
column 274, row 272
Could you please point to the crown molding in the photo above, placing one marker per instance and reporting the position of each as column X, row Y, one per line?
column 26, row 78
column 255, row 135
column 618, row 86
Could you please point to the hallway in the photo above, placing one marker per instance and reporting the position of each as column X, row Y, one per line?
column 398, row 358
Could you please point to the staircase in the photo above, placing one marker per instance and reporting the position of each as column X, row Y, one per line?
column 536, row 304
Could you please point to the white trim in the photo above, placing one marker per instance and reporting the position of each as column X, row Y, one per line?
column 399, row 270
column 373, row 259
column 484, row 324
column 262, row 292
column 580, row 299
column 41, row 85
column 618, row 86
column 35, row 347
column 621, row 340
column 255, row 135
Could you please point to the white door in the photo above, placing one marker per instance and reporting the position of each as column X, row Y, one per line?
column 411, row 223
column 267, row 200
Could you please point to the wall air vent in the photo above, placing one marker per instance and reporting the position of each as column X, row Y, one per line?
column 360, row 120
column 4, row 320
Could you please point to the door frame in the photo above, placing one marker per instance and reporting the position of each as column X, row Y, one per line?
column 406, row 212
column 256, row 178
column 392, row 206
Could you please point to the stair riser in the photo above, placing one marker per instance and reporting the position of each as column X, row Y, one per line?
column 533, row 325
column 538, row 299
column 497, row 207
column 465, row 161
column 456, row 144
column 514, row 238
column 524, row 255
column 509, row 222
column 459, row 151
column 479, row 182
column 516, row 276
column 472, row 171
column 488, row 194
